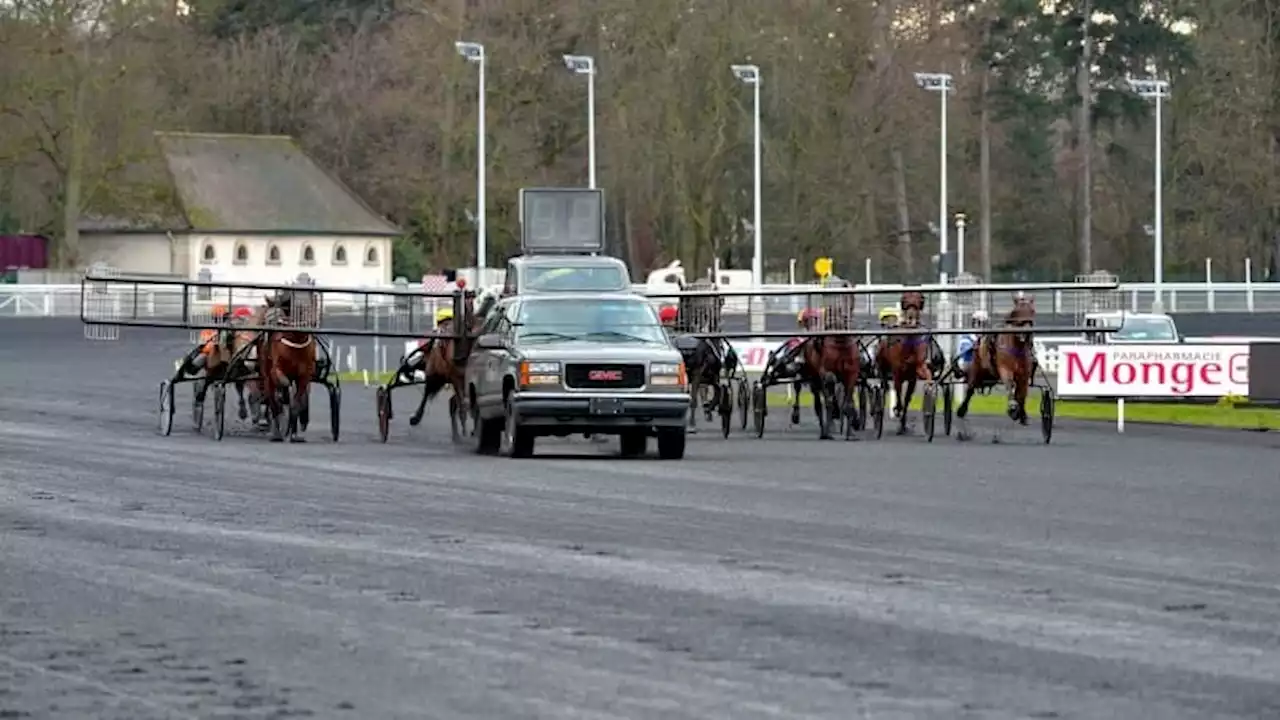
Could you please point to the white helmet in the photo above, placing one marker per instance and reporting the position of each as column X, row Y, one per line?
column 979, row 318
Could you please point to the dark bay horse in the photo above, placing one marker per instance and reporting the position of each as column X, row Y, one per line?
column 833, row 362
column 906, row 359
column 287, row 362
column 706, row 359
column 1007, row 358
column 444, row 362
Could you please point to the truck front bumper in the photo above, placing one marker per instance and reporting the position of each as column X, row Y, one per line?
column 602, row 412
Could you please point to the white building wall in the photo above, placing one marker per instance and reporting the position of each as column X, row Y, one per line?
column 149, row 253
column 334, row 261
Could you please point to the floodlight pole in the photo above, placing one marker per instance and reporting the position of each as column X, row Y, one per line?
column 1153, row 88
column 474, row 52
column 586, row 65
column 941, row 84
column 750, row 74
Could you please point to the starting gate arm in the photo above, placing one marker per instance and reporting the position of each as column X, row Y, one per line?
column 342, row 311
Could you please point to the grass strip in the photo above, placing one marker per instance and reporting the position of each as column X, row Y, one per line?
column 1221, row 415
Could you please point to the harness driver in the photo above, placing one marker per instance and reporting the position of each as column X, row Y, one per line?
column 968, row 346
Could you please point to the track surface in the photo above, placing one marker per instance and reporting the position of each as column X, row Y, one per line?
column 147, row 577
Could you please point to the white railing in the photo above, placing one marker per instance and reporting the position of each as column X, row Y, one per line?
column 1238, row 297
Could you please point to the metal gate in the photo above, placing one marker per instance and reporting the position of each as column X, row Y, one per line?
column 102, row 303
column 1092, row 301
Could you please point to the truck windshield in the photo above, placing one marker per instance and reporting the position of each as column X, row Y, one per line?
column 1146, row 329
column 607, row 278
column 593, row 320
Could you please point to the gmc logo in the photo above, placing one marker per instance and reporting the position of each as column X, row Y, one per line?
column 605, row 375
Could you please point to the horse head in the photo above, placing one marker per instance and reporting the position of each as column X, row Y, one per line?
column 1023, row 313
column 912, row 304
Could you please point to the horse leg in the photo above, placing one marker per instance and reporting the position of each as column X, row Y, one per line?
column 905, row 400
column 243, row 407
column 271, row 394
column 457, row 410
column 416, row 418
column 301, row 402
column 1010, row 383
column 1024, row 384
column 850, row 389
column 796, row 387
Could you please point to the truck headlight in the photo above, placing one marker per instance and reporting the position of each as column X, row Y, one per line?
column 539, row 373
column 667, row 374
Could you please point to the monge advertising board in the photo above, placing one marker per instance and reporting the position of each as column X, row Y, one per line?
column 1153, row 370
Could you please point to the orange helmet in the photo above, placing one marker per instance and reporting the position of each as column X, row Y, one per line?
column 668, row 314
column 218, row 311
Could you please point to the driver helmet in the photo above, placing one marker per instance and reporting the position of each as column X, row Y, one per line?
column 668, row 314
column 218, row 311
column 889, row 315
column 443, row 315
column 243, row 311
column 979, row 318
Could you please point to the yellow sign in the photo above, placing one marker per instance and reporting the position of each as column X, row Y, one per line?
column 822, row 266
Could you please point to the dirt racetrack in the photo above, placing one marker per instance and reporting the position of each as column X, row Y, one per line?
column 150, row 577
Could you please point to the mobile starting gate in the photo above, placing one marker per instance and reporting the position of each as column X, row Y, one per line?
column 101, row 301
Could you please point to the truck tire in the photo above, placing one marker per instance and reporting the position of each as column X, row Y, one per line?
column 671, row 443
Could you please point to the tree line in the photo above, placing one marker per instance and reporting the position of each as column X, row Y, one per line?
column 1050, row 151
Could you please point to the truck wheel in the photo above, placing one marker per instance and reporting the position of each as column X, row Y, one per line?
column 488, row 433
column 671, row 443
column 517, row 441
column 634, row 443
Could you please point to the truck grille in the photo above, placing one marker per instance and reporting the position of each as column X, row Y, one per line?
column 604, row 376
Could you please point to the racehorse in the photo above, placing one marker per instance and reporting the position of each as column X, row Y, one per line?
column 1007, row 358
column 443, row 366
column 223, row 346
column 287, row 364
column 706, row 359
column 906, row 359
column 832, row 364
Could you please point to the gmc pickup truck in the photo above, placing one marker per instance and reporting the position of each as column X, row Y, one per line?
column 556, row 364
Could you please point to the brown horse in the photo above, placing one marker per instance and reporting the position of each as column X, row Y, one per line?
column 444, row 362
column 1008, row 359
column 224, row 346
column 287, row 362
column 832, row 364
column 905, row 359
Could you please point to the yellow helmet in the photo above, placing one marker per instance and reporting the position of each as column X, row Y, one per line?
column 889, row 312
column 444, row 314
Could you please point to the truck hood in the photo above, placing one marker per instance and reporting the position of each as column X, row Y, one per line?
column 583, row 351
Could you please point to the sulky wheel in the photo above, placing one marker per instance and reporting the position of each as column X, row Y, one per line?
column 725, row 397
column 1047, row 403
column 929, row 409
column 759, row 408
column 197, row 407
column 219, row 411
column 383, row 398
column 335, row 408
column 948, row 400
column 744, row 402
column 166, row 407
